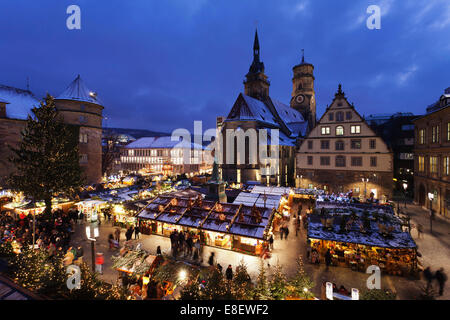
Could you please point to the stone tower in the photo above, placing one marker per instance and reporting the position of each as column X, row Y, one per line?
column 81, row 107
column 256, row 84
column 303, row 95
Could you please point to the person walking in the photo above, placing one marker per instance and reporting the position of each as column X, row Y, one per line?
column 136, row 232
column 441, row 278
column 428, row 276
column 229, row 273
column 286, row 232
column 219, row 267
column 281, row 232
column 211, row 259
column 328, row 259
column 271, row 242
column 158, row 251
column 99, row 261
column 117, row 234
column 419, row 230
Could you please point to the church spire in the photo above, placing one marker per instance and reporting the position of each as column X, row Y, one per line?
column 256, row 83
column 257, row 65
column 256, row 47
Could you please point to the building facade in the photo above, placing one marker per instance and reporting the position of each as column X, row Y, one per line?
column 163, row 156
column 77, row 106
column 343, row 153
column 256, row 120
column 432, row 157
column 397, row 130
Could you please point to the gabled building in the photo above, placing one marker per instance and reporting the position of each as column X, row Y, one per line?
column 77, row 106
column 343, row 153
column 254, row 112
column 432, row 156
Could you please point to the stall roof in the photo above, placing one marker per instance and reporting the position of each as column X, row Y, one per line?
column 238, row 219
column 397, row 240
column 252, row 198
column 271, row 190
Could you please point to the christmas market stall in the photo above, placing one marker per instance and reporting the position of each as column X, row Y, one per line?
column 91, row 208
column 359, row 236
column 224, row 225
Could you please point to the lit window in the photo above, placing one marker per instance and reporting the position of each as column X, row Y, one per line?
column 422, row 136
column 446, row 166
column 355, row 129
column 339, row 130
column 325, row 130
column 433, row 164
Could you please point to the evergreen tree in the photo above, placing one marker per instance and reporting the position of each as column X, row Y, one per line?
column 242, row 283
column 47, row 159
column 191, row 291
column 261, row 291
column 278, row 284
column 301, row 284
column 216, row 288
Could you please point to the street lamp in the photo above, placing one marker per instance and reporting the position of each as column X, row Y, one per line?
column 88, row 235
column 431, row 197
column 405, row 186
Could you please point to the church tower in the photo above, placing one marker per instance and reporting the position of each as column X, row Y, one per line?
column 303, row 95
column 256, row 84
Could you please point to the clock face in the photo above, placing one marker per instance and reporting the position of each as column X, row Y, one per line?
column 300, row 98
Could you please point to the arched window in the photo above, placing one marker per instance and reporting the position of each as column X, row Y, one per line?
column 339, row 130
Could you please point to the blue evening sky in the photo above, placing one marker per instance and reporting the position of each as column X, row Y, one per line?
column 161, row 64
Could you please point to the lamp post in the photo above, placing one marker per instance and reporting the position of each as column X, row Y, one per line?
column 88, row 235
column 431, row 197
column 405, row 186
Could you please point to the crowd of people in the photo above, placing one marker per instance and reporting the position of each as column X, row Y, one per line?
column 439, row 276
column 183, row 243
column 52, row 235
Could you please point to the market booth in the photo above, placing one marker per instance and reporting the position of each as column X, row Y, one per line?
column 92, row 208
column 224, row 225
column 359, row 236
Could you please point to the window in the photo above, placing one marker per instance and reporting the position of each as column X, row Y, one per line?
column 339, row 130
column 421, row 163
column 339, row 116
column 406, row 156
column 422, row 136
column 355, row 129
column 372, row 143
column 310, row 160
column 83, row 119
column 373, row 161
column 83, row 138
column 325, row 144
column 324, row 161
column 435, row 134
column 331, row 116
column 446, row 166
column 310, row 144
column 348, row 115
column 356, row 161
column 340, row 161
column 131, row 152
column 84, row 158
column 448, row 131
column 325, row 130
column 356, row 144
column 339, row 145
column 433, row 164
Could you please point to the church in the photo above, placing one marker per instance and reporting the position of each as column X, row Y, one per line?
column 77, row 105
column 256, row 111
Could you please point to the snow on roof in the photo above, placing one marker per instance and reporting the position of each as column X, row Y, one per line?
column 256, row 110
column 164, row 142
column 298, row 128
column 271, row 190
column 286, row 113
column 78, row 91
column 257, row 199
column 20, row 102
column 283, row 140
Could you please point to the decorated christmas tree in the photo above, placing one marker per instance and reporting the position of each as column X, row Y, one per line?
column 278, row 284
column 47, row 159
column 301, row 285
column 261, row 291
column 242, row 283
